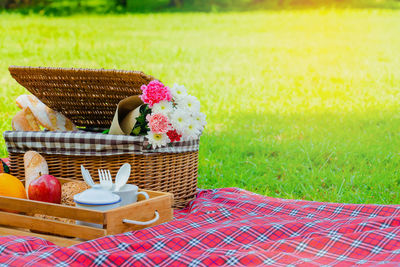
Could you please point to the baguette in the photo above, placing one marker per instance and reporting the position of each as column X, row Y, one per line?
column 35, row 166
column 24, row 121
column 48, row 118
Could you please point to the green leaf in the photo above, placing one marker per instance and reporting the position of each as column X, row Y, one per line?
column 136, row 130
column 140, row 119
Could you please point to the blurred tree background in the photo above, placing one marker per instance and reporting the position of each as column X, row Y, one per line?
column 65, row 7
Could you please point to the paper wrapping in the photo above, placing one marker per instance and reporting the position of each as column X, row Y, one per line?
column 125, row 116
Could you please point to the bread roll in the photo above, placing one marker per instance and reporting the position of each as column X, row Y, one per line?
column 24, row 121
column 70, row 189
column 35, row 166
column 48, row 217
column 48, row 118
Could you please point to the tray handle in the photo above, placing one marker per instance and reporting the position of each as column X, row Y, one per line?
column 157, row 216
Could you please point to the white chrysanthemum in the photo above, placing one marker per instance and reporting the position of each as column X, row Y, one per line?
column 179, row 119
column 157, row 139
column 189, row 103
column 200, row 118
column 178, row 91
column 162, row 107
column 192, row 130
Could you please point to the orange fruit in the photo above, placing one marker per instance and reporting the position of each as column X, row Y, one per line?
column 11, row 186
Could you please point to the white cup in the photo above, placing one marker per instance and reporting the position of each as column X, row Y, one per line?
column 96, row 198
column 128, row 194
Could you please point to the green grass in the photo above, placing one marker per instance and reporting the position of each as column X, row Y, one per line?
column 300, row 104
column 69, row 7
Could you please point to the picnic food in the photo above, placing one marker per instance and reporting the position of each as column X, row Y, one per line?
column 70, row 189
column 48, row 118
column 24, row 121
column 48, row 217
column 35, row 166
column 11, row 186
column 46, row 188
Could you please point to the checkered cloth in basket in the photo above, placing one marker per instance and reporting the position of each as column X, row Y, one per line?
column 81, row 143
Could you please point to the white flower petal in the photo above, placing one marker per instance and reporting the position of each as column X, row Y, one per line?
column 178, row 91
column 163, row 107
column 192, row 130
column 179, row 119
column 200, row 118
column 189, row 103
column 158, row 139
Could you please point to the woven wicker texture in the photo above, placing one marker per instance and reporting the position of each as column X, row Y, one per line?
column 168, row 172
column 88, row 97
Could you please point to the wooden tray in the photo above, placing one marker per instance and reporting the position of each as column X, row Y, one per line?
column 20, row 221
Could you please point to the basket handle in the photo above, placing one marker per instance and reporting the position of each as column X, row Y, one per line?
column 143, row 223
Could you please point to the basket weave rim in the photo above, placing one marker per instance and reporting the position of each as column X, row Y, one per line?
column 76, row 70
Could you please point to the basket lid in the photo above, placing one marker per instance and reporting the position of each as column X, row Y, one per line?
column 88, row 97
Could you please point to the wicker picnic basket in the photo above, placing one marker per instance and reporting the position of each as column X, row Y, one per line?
column 89, row 98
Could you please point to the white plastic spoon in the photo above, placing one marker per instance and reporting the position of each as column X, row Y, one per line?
column 122, row 176
column 86, row 176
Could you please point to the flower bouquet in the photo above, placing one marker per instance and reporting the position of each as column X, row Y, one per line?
column 168, row 115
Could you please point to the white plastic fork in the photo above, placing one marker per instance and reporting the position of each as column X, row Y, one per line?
column 105, row 179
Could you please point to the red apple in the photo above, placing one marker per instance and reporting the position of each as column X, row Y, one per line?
column 46, row 188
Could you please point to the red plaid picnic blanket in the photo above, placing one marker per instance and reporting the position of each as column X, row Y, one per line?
column 235, row 227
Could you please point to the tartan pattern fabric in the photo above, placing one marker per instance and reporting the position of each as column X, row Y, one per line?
column 235, row 227
column 81, row 143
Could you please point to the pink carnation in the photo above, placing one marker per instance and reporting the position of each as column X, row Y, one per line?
column 158, row 123
column 155, row 92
